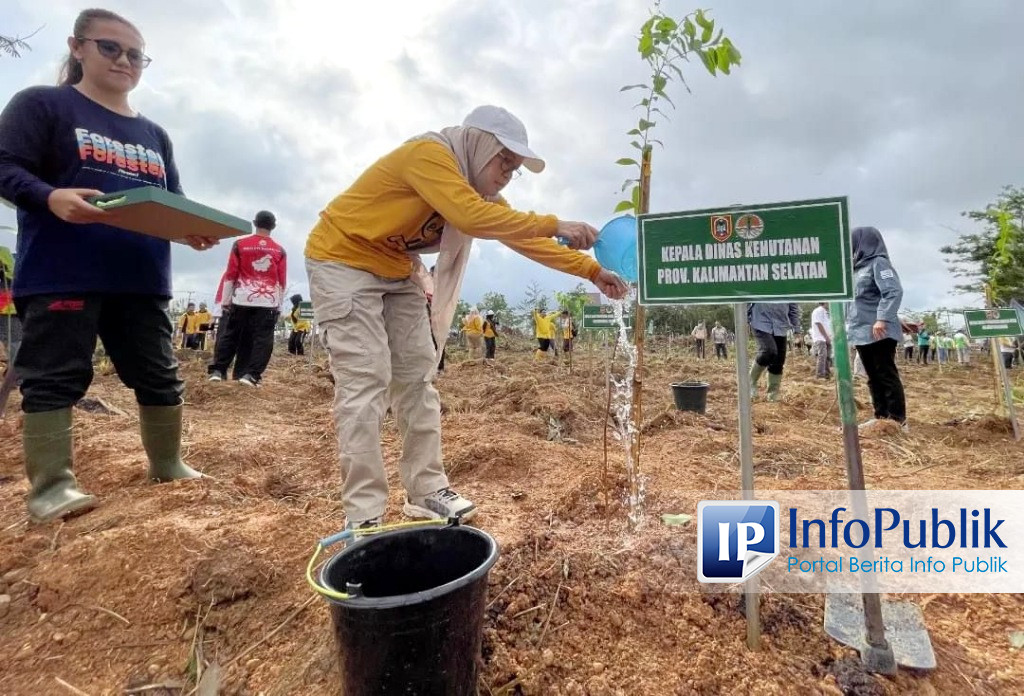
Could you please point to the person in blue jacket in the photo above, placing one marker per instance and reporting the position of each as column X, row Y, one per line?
column 770, row 323
column 872, row 324
column 77, row 278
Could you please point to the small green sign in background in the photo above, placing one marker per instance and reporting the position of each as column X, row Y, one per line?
column 770, row 252
column 602, row 317
column 992, row 323
column 305, row 310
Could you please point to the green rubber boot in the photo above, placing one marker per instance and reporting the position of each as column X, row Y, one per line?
column 46, row 440
column 774, row 385
column 161, row 438
column 755, row 374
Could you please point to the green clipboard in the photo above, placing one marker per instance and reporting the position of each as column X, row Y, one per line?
column 159, row 213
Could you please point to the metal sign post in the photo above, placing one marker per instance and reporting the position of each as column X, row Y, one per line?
column 751, row 588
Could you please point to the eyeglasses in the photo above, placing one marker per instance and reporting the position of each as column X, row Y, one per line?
column 506, row 166
column 113, row 51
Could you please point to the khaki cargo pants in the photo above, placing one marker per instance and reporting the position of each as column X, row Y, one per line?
column 377, row 335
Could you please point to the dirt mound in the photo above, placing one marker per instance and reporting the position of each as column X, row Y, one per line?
column 160, row 581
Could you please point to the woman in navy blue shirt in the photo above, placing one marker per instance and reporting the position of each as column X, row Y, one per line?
column 77, row 278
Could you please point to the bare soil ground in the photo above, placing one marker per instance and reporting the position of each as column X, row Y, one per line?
column 159, row 579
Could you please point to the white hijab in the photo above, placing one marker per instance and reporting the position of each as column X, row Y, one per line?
column 473, row 149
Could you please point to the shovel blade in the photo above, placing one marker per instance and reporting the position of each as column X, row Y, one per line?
column 904, row 628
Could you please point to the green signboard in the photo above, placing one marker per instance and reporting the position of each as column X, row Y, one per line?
column 771, row 252
column 602, row 317
column 306, row 310
column 992, row 323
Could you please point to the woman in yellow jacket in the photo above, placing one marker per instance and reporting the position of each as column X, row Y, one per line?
column 300, row 328
column 490, row 336
column 544, row 329
column 435, row 193
column 473, row 326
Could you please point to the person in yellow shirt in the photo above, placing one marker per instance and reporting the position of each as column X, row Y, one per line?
column 568, row 327
column 434, row 193
column 300, row 328
column 490, row 335
column 188, row 325
column 203, row 321
column 544, row 330
column 473, row 326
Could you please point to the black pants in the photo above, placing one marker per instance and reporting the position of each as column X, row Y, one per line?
column 1008, row 360
column 700, row 348
column 720, row 351
column 295, row 343
column 60, row 331
column 922, row 354
column 247, row 337
column 908, row 353
column 544, row 344
column 489, row 345
column 771, row 351
column 884, row 382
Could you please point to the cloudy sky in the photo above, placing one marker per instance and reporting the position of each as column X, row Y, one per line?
column 910, row 110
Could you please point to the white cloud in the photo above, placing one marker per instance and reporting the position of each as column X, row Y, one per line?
column 280, row 104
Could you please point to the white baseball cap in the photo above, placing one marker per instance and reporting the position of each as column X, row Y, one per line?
column 509, row 131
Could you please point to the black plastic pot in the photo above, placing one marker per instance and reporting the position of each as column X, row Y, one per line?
column 417, row 622
column 690, row 396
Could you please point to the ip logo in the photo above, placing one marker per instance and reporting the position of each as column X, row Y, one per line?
column 736, row 539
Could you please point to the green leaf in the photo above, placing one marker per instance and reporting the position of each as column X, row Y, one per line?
column 626, row 184
column 734, row 52
column 637, row 145
column 723, row 58
column 688, row 29
column 644, row 124
column 666, row 24
column 635, row 196
column 624, row 205
column 629, row 87
column 635, row 131
column 719, row 37
column 676, row 520
column 708, row 61
column 626, row 161
column 708, row 32
column 702, row 20
column 659, row 83
column 646, row 45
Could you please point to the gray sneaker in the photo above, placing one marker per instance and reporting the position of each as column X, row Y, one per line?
column 249, row 381
column 442, row 504
column 216, row 376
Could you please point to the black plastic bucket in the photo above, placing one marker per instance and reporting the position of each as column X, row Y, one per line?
column 690, row 396
column 417, row 624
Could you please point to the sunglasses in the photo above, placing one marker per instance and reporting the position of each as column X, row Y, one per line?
column 113, row 51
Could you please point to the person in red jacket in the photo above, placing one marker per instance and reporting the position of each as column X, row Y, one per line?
column 251, row 295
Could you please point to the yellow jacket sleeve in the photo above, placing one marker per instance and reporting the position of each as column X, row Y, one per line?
column 434, row 174
column 550, row 253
